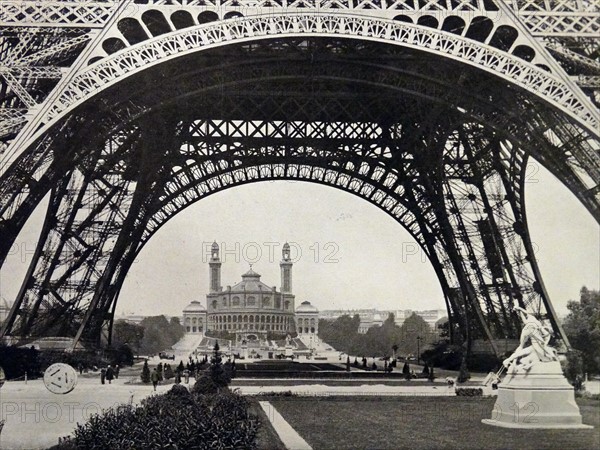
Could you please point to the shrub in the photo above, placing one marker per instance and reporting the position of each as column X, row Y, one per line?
column 205, row 386
column 16, row 361
column 573, row 369
column 168, row 372
column 277, row 394
column 173, row 420
column 469, row 392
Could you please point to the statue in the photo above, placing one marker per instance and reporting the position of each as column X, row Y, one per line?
column 533, row 345
column 535, row 393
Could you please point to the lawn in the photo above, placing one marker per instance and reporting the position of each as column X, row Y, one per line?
column 422, row 423
column 267, row 438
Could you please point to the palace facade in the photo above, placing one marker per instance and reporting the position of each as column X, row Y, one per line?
column 250, row 309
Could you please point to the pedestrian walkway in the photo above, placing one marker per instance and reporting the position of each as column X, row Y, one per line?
column 290, row 438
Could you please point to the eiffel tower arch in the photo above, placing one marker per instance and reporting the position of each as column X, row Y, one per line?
column 127, row 112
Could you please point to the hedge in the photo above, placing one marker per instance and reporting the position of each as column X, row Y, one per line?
column 177, row 419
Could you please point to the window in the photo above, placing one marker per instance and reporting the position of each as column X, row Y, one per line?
column 267, row 302
column 251, row 301
column 235, row 301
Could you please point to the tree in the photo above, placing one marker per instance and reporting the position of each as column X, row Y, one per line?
column 125, row 333
column 217, row 373
column 582, row 326
column 415, row 327
column 146, row 373
column 160, row 334
column 168, row 372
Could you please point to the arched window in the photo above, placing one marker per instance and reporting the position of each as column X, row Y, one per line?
column 207, row 17
column 504, row 37
column 403, row 18
column 113, row 45
column 156, row 22
column 132, row 31
column 453, row 25
column 251, row 301
column 235, row 301
column 267, row 302
column 480, row 28
column 428, row 21
column 287, row 304
column 232, row 15
column 214, row 304
column 524, row 52
column 182, row 19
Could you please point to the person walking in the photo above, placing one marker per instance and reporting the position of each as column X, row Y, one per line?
column 117, row 372
column 110, row 374
column 154, row 377
column 102, row 375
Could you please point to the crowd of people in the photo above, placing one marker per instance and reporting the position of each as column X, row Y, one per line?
column 109, row 373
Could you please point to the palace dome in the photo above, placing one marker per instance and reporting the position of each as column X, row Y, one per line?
column 251, row 283
column 306, row 307
column 194, row 306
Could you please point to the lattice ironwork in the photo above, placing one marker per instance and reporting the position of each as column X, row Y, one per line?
column 429, row 110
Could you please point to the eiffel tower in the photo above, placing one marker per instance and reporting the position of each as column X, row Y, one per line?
column 125, row 112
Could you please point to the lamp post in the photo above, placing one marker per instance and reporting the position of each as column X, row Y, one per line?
column 418, row 349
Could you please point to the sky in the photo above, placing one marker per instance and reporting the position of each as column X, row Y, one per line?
column 347, row 253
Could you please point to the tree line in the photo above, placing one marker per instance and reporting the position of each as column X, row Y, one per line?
column 154, row 334
column 379, row 341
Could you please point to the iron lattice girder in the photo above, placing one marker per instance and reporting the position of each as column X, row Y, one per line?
column 555, row 18
column 508, row 113
column 287, row 159
column 405, row 104
column 539, row 82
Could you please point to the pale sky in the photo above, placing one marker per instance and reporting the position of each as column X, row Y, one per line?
column 349, row 253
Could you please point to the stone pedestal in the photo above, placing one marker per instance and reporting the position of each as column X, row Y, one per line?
column 539, row 398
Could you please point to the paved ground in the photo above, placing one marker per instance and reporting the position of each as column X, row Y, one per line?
column 36, row 418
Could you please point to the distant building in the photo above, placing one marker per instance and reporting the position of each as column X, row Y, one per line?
column 250, row 308
column 4, row 309
column 194, row 318
column 372, row 321
column 373, row 317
